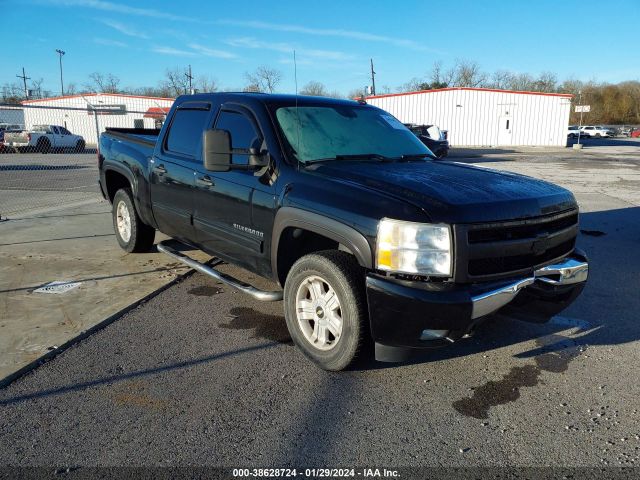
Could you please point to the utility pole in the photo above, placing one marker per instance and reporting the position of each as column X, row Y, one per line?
column 190, row 77
column 581, row 110
column 373, row 79
column 24, row 81
column 61, row 53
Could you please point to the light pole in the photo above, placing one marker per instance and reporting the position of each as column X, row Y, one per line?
column 61, row 53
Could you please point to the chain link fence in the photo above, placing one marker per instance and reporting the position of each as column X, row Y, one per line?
column 48, row 147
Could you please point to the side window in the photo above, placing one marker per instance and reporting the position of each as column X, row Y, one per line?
column 185, row 133
column 54, row 129
column 243, row 133
column 64, row 131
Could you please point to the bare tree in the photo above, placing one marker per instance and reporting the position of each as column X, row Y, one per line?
column 71, row 89
column 36, row 87
column 252, row 87
column 414, row 85
column 266, row 79
column 546, row 82
column 12, row 93
column 206, row 84
column 356, row 93
column 501, row 79
column 175, row 82
column 468, row 74
column 314, row 88
column 104, row 83
column 441, row 78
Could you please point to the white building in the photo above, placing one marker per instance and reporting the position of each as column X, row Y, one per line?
column 78, row 113
column 485, row 117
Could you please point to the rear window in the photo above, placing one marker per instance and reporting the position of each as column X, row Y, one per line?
column 185, row 133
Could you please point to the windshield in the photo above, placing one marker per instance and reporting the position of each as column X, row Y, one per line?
column 40, row 128
column 318, row 133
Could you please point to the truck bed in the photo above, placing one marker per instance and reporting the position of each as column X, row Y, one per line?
column 147, row 136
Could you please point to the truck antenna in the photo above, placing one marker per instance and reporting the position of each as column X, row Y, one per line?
column 295, row 76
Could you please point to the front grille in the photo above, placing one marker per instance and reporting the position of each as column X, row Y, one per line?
column 502, row 232
column 491, row 266
column 500, row 249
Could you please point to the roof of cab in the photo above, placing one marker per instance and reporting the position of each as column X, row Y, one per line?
column 267, row 98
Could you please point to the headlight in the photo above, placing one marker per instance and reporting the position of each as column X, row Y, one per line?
column 409, row 247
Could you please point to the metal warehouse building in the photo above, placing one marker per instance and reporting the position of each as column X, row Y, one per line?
column 485, row 117
column 78, row 113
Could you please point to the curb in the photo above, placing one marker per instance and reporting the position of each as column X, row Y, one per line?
column 12, row 377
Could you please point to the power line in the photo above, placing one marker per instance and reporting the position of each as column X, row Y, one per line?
column 373, row 79
column 24, row 80
column 190, row 77
column 61, row 53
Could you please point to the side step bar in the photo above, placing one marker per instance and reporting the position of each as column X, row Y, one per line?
column 243, row 287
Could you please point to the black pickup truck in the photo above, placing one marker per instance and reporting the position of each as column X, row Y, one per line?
column 344, row 208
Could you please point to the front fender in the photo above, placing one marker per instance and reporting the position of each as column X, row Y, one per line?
column 335, row 230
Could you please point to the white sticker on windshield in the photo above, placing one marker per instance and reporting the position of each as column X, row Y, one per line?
column 394, row 122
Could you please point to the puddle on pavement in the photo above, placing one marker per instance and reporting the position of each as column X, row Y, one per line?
column 205, row 291
column 269, row 327
column 558, row 352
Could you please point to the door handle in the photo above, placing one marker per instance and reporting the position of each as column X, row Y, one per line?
column 160, row 169
column 205, row 180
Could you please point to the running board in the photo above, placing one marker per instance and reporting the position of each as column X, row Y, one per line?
column 207, row 270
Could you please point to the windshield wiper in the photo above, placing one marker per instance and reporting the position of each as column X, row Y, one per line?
column 357, row 156
column 415, row 156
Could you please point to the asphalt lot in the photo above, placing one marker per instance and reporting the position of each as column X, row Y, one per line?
column 203, row 375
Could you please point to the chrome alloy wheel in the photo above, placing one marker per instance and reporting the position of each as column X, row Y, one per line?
column 123, row 221
column 318, row 312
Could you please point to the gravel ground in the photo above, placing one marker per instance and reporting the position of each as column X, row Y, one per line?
column 202, row 375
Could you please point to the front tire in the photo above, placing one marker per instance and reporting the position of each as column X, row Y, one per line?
column 132, row 234
column 80, row 146
column 325, row 308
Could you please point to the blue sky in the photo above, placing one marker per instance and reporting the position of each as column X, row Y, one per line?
column 138, row 41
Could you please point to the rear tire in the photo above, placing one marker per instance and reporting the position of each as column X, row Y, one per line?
column 132, row 234
column 43, row 145
column 325, row 308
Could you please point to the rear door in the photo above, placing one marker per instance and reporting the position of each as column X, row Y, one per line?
column 172, row 176
column 231, row 206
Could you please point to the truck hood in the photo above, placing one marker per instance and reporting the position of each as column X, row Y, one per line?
column 451, row 192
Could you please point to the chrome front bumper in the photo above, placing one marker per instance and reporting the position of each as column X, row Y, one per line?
column 569, row 271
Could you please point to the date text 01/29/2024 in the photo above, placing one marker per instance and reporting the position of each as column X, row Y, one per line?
column 314, row 472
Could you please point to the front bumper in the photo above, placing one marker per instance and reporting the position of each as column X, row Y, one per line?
column 413, row 315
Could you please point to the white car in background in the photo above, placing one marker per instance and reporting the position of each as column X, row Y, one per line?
column 596, row 131
column 574, row 131
column 44, row 138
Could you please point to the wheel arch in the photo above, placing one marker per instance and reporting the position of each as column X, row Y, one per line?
column 346, row 237
column 116, row 178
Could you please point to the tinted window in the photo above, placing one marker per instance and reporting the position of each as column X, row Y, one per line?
column 186, row 130
column 243, row 133
column 64, row 131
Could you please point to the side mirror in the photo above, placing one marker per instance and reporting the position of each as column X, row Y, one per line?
column 258, row 155
column 216, row 150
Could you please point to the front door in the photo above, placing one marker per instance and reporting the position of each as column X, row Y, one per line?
column 229, row 204
column 505, row 130
column 173, row 170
